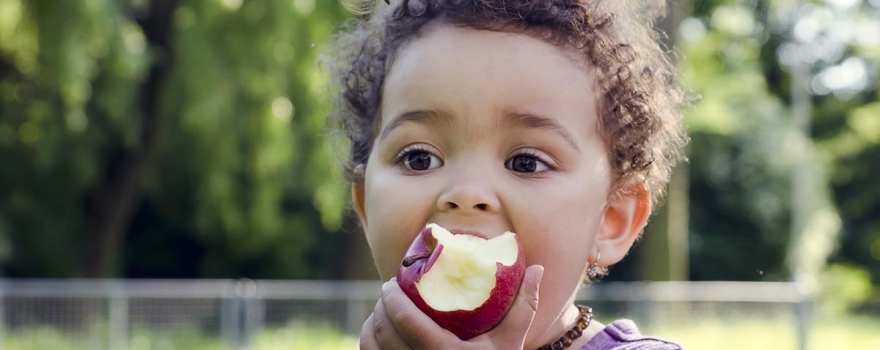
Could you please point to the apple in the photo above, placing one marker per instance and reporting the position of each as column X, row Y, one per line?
column 463, row 282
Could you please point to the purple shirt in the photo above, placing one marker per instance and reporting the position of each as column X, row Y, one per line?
column 624, row 335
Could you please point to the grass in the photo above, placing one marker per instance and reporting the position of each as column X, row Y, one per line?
column 298, row 335
column 841, row 332
column 295, row 336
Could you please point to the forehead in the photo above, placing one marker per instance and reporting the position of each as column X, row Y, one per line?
column 477, row 72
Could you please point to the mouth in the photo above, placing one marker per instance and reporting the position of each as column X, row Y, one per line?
column 431, row 253
column 429, row 250
column 476, row 233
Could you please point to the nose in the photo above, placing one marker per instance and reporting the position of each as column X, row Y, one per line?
column 468, row 197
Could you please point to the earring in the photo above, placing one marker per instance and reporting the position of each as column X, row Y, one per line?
column 595, row 271
column 357, row 173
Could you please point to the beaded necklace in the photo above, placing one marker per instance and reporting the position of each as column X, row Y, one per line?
column 584, row 319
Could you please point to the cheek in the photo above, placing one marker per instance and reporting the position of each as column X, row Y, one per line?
column 561, row 222
column 563, row 218
column 396, row 209
column 563, row 239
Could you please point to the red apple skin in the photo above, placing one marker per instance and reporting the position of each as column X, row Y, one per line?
column 464, row 324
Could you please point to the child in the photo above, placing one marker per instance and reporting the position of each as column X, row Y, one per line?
column 558, row 120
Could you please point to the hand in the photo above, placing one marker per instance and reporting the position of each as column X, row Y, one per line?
column 396, row 323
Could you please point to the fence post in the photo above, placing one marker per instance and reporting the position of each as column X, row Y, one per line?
column 230, row 317
column 803, row 316
column 118, row 317
column 2, row 313
column 254, row 311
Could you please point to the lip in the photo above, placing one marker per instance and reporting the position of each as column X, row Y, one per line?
column 460, row 231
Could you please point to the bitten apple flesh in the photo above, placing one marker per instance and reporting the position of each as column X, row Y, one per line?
column 463, row 282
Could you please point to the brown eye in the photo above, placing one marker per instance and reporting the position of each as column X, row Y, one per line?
column 419, row 160
column 526, row 163
column 523, row 164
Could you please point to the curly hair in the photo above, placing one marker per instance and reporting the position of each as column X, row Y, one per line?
column 639, row 99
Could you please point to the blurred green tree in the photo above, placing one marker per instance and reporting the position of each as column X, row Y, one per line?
column 187, row 138
column 175, row 138
column 747, row 146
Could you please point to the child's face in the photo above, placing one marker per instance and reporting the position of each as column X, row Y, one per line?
column 499, row 133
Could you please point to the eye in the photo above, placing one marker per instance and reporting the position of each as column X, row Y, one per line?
column 527, row 162
column 417, row 158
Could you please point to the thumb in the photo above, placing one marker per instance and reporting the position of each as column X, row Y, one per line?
column 515, row 326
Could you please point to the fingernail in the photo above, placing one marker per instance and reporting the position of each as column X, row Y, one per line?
column 539, row 273
column 387, row 284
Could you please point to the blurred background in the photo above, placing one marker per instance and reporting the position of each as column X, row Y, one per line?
column 167, row 180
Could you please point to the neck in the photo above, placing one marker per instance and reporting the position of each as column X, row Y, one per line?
column 565, row 323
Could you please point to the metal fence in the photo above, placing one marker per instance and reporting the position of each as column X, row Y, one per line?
column 110, row 314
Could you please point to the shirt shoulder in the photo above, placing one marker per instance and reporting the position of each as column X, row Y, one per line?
column 623, row 334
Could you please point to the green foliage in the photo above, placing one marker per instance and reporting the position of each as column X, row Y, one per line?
column 741, row 154
column 247, row 167
column 843, row 287
column 855, row 149
column 747, row 151
column 242, row 177
column 67, row 81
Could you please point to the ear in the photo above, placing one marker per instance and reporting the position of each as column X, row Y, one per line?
column 623, row 219
column 357, row 195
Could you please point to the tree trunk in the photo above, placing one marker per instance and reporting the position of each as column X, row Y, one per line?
column 111, row 207
column 665, row 245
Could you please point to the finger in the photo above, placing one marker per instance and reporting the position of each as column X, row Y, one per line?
column 417, row 329
column 383, row 330
column 515, row 326
column 367, row 339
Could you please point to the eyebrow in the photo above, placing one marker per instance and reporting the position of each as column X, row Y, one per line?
column 419, row 117
column 527, row 120
column 535, row 121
